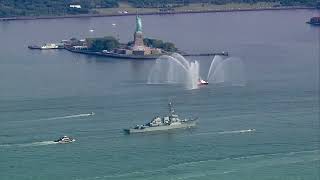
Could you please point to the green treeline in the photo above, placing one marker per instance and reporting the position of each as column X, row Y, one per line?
column 109, row 43
column 164, row 3
column 62, row 7
column 156, row 43
column 51, row 7
column 106, row 43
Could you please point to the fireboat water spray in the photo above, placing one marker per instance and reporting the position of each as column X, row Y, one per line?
column 175, row 68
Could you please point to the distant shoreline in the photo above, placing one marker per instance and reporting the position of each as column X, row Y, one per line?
column 151, row 13
column 144, row 57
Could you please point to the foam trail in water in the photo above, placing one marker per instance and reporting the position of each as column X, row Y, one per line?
column 227, row 132
column 237, row 131
column 56, row 118
column 70, row 116
column 40, row 143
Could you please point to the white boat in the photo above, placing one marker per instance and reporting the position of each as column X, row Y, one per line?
column 202, row 82
column 50, row 46
column 65, row 140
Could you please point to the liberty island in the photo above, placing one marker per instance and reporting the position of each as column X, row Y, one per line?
column 139, row 48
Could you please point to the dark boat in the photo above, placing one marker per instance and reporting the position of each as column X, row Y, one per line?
column 314, row 21
column 34, row 47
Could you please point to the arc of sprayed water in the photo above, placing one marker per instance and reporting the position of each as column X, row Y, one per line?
column 229, row 70
column 215, row 62
column 175, row 60
column 216, row 70
column 194, row 74
column 181, row 59
column 191, row 70
column 169, row 59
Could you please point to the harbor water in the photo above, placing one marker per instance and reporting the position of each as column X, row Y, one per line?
column 266, row 129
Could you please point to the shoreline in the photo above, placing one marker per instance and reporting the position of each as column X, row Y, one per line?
column 151, row 13
column 135, row 57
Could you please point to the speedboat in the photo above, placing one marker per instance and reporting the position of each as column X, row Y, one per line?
column 202, row 82
column 65, row 140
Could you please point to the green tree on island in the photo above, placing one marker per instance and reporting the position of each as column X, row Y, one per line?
column 105, row 43
column 156, row 43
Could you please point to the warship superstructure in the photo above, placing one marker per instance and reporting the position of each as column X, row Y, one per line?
column 169, row 122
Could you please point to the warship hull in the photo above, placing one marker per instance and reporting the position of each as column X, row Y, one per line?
column 184, row 125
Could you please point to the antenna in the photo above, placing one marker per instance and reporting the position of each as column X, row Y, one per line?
column 171, row 108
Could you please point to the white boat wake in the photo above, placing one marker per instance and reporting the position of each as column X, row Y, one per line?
column 70, row 116
column 227, row 132
column 237, row 131
column 56, row 118
column 40, row 143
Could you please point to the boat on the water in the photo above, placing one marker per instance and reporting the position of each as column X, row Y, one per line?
column 34, row 47
column 314, row 21
column 202, row 82
column 52, row 46
column 47, row 46
column 169, row 122
column 65, row 140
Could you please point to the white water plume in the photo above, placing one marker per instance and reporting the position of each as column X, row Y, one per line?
column 176, row 69
column 229, row 71
column 216, row 60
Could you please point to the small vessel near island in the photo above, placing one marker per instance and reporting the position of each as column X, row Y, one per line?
column 47, row 46
column 172, row 121
column 202, row 82
column 65, row 140
column 314, row 21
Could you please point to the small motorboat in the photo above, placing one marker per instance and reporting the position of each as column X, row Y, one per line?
column 65, row 140
column 202, row 82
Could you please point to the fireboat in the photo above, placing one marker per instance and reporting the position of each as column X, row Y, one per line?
column 202, row 82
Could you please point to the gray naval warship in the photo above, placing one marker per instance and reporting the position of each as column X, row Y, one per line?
column 172, row 121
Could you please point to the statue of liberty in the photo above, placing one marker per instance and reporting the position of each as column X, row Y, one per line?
column 138, row 24
column 138, row 37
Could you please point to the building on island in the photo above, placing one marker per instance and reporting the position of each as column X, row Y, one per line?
column 110, row 46
column 138, row 48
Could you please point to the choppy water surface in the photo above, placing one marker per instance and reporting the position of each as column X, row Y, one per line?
column 46, row 94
